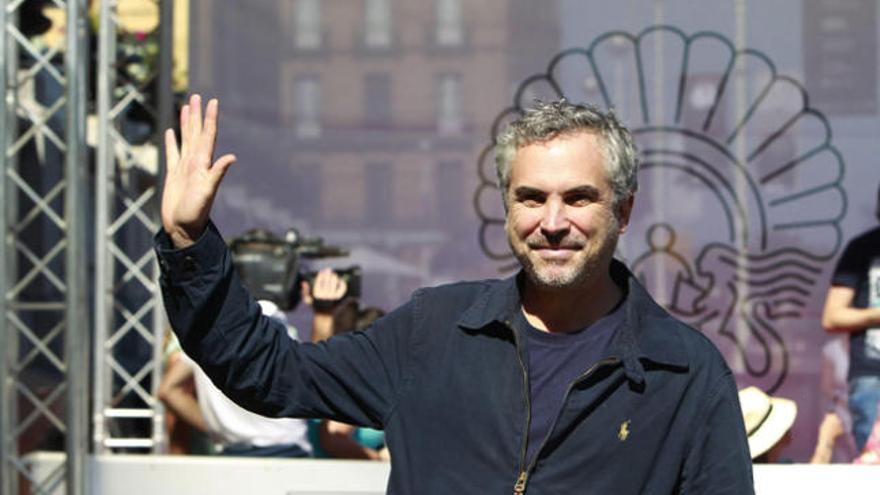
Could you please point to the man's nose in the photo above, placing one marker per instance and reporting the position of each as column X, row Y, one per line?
column 555, row 219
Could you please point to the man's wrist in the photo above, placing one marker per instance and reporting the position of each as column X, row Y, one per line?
column 183, row 238
column 180, row 241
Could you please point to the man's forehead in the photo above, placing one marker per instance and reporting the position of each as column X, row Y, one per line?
column 577, row 154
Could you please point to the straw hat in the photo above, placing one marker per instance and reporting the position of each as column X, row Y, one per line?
column 767, row 418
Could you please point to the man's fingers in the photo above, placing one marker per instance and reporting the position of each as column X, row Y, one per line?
column 195, row 117
column 172, row 154
column 184, row 116
column 189, row 134
column 184, row 129
column 209, row 132
column 222, row 164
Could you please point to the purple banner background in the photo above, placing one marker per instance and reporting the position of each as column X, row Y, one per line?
column 366, row 123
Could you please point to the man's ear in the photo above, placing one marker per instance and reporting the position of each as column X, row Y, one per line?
column 624, row 210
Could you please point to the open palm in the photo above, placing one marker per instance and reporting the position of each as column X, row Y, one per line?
column 192, row 177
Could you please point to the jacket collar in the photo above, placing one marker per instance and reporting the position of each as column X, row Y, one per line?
column 646, row 334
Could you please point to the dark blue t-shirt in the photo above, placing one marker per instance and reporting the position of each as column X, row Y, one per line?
column 555, row 360
column 852, row 271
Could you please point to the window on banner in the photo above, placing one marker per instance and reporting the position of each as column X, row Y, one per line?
column 307, row 24
column 378, row 24
column 307, row 98
column 449, row 104
column 377, row 100
column 449, row 30
column 380, row 193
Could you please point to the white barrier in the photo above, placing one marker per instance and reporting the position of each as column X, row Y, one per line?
column 806, row 479
column 191, row 475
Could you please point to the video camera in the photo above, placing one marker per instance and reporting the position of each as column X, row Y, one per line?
column 270, row 266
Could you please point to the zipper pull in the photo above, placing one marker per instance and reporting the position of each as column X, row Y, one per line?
column 520, row 487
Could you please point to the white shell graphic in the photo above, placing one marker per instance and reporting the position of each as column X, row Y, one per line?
column 740, row 197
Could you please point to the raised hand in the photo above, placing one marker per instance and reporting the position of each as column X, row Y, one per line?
column 327, row 293
column 192, row 178
column 329, row 286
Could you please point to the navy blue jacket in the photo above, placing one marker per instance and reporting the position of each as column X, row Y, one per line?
column 444, row 376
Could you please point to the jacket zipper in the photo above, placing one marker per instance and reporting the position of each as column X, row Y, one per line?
column 520, row 487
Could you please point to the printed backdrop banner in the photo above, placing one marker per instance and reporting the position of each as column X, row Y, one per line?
column 370, row 124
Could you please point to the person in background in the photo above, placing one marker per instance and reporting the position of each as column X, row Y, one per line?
column 334, row 315
column 852, row 306
column 834, row 442
column 183, row 438
column 768, row 423
column 235, row 430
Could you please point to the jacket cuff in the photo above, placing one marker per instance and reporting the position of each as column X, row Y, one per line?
column 182, row 264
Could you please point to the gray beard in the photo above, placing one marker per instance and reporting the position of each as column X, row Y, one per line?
column 576, row 278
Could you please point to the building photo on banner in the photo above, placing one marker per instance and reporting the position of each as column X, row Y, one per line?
column 364, row 135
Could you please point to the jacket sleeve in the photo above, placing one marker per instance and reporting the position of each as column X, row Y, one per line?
column 718, row 460
column 356, row 378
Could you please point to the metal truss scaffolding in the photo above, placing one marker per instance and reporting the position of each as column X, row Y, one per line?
column 133, row 84
column 80, row 201
column 44, row 334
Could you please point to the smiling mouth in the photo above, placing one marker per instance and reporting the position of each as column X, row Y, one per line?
column 561, row 247
column 555, row 252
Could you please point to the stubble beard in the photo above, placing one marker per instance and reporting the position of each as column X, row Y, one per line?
column 583, row 269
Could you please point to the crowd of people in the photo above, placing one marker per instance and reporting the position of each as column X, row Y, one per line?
column 201, row 420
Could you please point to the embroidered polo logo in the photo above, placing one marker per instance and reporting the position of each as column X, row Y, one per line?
column 623, row 432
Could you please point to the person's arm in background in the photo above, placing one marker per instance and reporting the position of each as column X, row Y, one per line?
column 829, row 430
column 175, row 394
column 323, row 298
column 840, row 316
column 831, row 427
column 337, row 440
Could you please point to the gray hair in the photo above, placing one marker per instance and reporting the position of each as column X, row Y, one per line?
column 547, row 121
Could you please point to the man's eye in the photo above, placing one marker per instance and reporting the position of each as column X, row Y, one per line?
column 579, row 201
column 531, row 202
